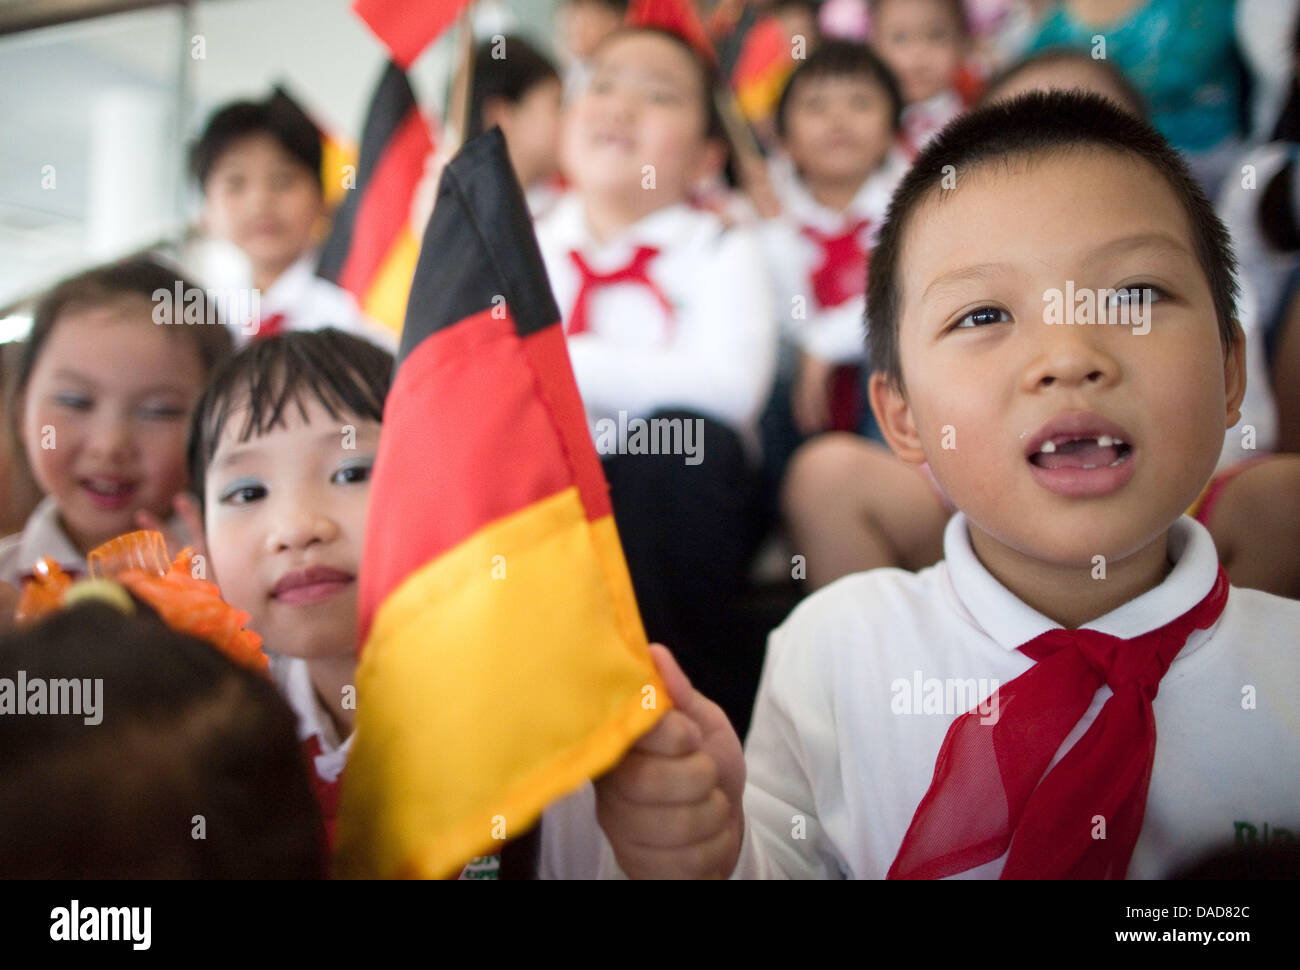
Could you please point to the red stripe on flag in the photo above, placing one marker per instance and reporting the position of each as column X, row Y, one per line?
column 408, row 26
column 549, row 356
column 463, row 421
column 384, row 210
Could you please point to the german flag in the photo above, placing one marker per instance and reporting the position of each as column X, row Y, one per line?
column 407, row 27
column 763, row 66
column 372, row 249
column 504, row 661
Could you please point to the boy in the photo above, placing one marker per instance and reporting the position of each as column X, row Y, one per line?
column 517, row 88
column 259, row 168
column 1071, row 451
column 838, row 119
column 281, row 447
column 669, row 323
column 924, row 42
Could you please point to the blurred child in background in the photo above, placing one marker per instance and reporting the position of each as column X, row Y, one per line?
column 258, row 165
column 582, row 25
column 838, row 121
column 518, row 89
column 925, row 43
column 668, row 317
column 100, row 401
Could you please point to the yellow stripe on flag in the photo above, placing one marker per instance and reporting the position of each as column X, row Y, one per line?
column 386, row 299
column 436, row 775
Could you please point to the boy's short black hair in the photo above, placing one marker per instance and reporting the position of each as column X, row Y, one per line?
column 183, row 731
column 347, row 375
column 956, row 7
column 841, row 59
column 1031, row 126
column 714, row 128
column 277, row 117
column 509, row 77
column 1068, row 55
column 136, row 278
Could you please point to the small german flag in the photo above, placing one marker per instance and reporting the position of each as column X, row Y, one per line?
column 504, row 661
column 372, row 249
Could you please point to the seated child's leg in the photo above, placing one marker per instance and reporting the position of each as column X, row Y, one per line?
column 851, row 505
column 1256, row 526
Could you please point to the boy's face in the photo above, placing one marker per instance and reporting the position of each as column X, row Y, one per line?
column 264, row 201
column 838, row 128
column 285, row 519
column 532, row 131
column 584, row 24
column 642, row 107
column 104, row 418
column 987, row 377
column 923, row 44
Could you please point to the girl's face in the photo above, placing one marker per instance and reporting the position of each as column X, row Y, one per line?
column 639, row 126
column 104, row 418
column 285, row 517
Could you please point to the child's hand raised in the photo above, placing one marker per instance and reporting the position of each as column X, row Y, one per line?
column 672, row 807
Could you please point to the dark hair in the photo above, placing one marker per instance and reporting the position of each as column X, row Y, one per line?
column 1065, row 55
column 277, row 117
column 713, row 126
column 342, row 372
column 841, row 59
column 617, row 6
column 1030, row 126
column 137, row 278
column 508, row 78
column 956, row 7
column 184, row 732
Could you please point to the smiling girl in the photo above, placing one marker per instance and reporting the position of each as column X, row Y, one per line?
column 100, row 406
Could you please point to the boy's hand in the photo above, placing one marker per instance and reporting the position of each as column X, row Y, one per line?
column 187, row 510
column 672, row 807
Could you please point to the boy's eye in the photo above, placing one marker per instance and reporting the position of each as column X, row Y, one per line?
column 77, row 402
column 161, row 412
column 242, row 492
column 983, row 316
column 1136, row 294
column 353, row 473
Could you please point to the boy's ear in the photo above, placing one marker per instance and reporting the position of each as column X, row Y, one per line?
column 495, row 112
column 894, row 415
column 1234, row 373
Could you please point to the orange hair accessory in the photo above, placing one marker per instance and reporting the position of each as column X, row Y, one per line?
column 138, row 562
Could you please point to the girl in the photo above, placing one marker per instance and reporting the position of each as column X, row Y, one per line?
column 99, row 405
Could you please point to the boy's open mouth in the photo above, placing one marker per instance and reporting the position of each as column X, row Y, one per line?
column 1089, row 452
column 1081, row 455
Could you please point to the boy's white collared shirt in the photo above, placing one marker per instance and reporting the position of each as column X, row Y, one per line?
column 833, row 334
column 714, row 353
column 925, row 119
column 863, row 680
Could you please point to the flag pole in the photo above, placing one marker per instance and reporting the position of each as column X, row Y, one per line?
column 462, row 84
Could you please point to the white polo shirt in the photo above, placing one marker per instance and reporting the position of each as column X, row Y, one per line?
column 841, row 749
column 715, row 353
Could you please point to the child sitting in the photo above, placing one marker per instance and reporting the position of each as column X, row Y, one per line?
column 281, row 445
column 925, row 43
column 669, row 323
column 997, row 715
column 258, row 165
column 99, row 401
column 837, row 119
column 188, row 768
column 518, row 89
